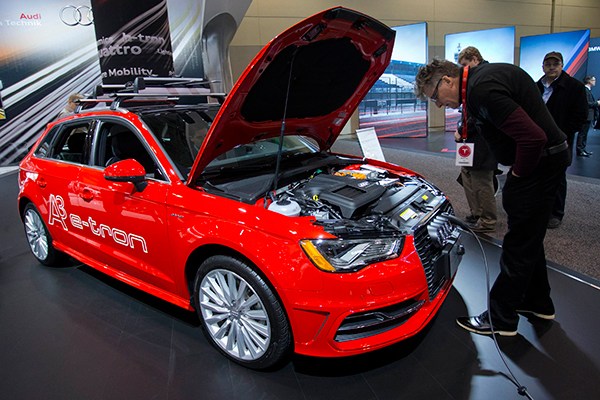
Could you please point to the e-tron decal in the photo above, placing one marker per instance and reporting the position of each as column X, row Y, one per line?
column 59, row 214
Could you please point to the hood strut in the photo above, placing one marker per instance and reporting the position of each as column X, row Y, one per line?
column 282, row 133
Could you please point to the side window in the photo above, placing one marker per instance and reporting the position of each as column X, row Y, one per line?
column 66, row 143
column 117, row 142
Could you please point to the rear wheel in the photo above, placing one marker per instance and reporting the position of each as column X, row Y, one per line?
column 240, row 314
column 38, row 237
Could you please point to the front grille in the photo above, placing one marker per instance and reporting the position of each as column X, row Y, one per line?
column 362, row 325
column 429, row 254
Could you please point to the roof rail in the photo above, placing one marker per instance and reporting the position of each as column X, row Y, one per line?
column 83, row 104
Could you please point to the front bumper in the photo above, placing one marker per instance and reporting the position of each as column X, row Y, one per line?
column 382, row 305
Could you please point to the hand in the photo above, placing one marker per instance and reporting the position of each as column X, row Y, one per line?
column 457, row 137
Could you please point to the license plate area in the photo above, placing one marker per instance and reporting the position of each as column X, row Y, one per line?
column 451, row 256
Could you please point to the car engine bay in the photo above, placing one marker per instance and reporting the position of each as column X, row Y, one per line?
column 348, row 198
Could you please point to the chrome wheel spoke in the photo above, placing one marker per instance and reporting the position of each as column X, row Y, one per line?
column 250, row 346
column 250, row 301
column 256, row 334
column 213, row 292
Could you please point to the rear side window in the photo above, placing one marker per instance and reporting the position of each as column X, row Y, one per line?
column 67, row 143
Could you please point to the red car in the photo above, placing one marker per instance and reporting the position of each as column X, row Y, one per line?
column 240, row 212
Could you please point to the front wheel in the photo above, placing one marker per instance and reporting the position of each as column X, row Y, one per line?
column 240, row 314
column 38, row 237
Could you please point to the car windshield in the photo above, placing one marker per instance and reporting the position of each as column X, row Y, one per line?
column 181, row 133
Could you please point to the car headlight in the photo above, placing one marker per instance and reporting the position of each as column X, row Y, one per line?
column 339, row 255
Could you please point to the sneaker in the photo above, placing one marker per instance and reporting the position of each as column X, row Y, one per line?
column 554, row 223
column 481, row 325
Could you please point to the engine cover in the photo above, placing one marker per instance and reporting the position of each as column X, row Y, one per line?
column 346, row 192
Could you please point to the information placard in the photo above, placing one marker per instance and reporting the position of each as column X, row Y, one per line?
column 369, row 143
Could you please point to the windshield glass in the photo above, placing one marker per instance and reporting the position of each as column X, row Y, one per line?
column 181, row 133
column 262, row 151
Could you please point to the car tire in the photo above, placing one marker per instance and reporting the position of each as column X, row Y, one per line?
column 38, row 237
column 240, row 314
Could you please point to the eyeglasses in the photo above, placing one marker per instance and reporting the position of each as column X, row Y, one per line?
column 434, row 95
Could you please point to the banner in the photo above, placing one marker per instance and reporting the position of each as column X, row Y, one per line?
column 133, row 39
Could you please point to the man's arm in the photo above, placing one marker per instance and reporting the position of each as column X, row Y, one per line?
column 530, row 140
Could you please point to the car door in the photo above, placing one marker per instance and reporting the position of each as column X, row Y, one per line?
column 57, row 163
column 125, row 228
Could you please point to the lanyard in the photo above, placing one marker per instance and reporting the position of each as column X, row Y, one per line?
column 463, row 92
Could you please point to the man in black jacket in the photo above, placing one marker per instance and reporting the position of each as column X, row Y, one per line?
column 505, row 102
column 567, row 102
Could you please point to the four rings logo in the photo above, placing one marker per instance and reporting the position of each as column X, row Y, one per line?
column 76, row 15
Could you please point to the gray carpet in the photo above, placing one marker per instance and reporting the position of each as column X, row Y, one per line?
column 575, row 245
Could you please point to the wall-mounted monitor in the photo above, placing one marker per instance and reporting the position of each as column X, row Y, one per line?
column 573, row 46
column 391, row 106
column 495, row 45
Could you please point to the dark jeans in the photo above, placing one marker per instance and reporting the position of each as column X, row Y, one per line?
column 523, row 276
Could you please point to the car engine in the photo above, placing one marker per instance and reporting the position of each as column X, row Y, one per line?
column 361, row 197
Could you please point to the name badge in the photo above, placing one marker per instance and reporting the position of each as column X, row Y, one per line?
column 464, row 154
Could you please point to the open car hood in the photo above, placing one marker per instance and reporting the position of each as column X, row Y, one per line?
column 321, row 68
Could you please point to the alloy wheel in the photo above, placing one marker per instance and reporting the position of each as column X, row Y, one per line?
column 36, row 234
column 234, row 315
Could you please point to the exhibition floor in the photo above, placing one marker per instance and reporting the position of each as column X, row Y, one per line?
column 72, row 333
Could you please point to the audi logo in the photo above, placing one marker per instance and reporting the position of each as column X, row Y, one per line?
column 76, row 15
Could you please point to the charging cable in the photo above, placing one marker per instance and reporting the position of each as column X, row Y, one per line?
column 522, row 390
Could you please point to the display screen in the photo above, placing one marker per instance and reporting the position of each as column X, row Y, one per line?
column 391, row 106
column 495, row 45
column 573, row 46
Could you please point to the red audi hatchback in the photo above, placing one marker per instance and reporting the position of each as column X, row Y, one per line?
column 241, row 213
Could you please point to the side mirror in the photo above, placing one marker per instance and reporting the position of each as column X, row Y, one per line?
column 127, row 171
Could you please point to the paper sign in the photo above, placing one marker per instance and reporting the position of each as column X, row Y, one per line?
column 369, row 144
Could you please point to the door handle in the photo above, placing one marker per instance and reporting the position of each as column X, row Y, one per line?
column 86, row 194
